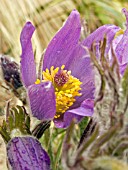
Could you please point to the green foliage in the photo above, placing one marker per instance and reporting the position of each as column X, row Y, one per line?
column 40, row 128
column 125, row 82
column 52, row 140
column 17, row 123
column 83, row 124
column 108, row 163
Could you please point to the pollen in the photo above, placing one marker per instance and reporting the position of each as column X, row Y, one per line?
column 66, row 86
column 37, row 81
column 120, row 32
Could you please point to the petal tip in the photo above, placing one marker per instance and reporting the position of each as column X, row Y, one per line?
column 124, row 10
column 28, row 67
column 27, row 31
column 30, row 25
column 75, row 13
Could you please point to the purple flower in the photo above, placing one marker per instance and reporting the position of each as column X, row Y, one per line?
column 26, row 153
column 115, row 37
column 66, row 90
column 120, row 45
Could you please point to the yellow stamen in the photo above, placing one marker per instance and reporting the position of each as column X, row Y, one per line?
column 66, row 87
column 37, row 81
column 62, row 67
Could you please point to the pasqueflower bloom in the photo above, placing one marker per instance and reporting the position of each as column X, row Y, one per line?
column 66, row 90
column 116, row 38
column 120, row 45
column 26, row 153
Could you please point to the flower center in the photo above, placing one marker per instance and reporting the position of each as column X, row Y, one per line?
column 66, row 87
column 61, row 78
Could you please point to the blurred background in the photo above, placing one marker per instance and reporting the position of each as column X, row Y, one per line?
column 48, row 17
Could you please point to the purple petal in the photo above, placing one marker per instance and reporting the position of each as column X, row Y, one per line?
column 26, row 153
column 28, row 67
column 116, row 41
column 86, row 109
column 106, row 30
column 122, row 49
column 122, row 68
column 42, row 100
column 63, row 43
column 82, row 69
column 114, row 45
column 61, row 122
column 80, row 64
